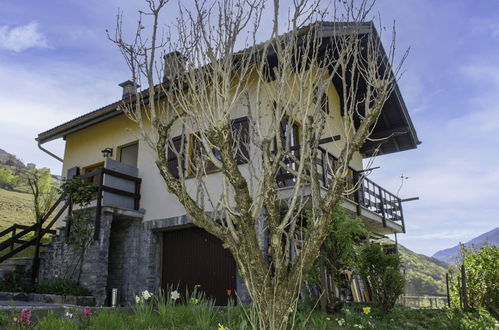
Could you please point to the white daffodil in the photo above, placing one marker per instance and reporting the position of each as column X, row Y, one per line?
column 174, row 295
column 146, row 295
column 137, row 299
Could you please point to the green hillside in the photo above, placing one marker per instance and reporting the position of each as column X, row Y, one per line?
column 15, row 207
column 424, row 275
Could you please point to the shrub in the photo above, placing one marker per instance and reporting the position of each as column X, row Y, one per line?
column 339, row 253
column 61, row 286
column 382, row 272
column 12, row 284
column 482, row 279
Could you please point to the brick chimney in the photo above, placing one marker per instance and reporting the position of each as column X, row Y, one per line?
column 174, row 65
column 129, row 89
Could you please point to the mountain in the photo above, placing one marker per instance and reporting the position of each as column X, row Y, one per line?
column 2, row 152
column 452, row 255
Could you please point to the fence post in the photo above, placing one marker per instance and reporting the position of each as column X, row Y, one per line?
column 447, row 285
column 12, row 237
column 36, row 258
column 463, row 287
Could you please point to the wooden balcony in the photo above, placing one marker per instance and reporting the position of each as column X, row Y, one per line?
column 118, row 186
column 364, row 197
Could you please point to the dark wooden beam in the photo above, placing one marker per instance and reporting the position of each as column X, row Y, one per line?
column 330, row 139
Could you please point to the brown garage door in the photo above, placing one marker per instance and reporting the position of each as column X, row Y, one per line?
column 194, row 257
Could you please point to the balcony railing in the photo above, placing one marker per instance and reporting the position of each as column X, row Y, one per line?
column 360, row 190
column 114, row 183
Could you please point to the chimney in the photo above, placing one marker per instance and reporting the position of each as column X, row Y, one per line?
column 174, row 65
column 129, row 89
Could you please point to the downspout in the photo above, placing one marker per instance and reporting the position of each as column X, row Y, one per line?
column 49, row 153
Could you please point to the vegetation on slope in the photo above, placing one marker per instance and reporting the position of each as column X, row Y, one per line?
column 424, row 275
column 15, row 207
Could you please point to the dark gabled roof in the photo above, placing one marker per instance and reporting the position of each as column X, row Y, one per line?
column 80, row 122
column 394, row 124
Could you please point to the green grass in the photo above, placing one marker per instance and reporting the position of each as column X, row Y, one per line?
column 15, row 207
column 237, row 317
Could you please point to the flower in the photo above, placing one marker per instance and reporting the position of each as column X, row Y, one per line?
column 25, row 317
column 229, row 291
column 146, row 295
column 195, row 301
column 174, row 295
column 222, row 327
column 340, row 322
column 86, row 311
column 68, row 315
column 366, row 310
column 137, row 299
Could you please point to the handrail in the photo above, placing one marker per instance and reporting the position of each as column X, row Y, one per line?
column 368, row 194
column 36, row 228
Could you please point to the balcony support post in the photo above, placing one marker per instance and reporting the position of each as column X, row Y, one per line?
column 382, row 205
column 358, row 191
column 401, row 215
column 98, row 209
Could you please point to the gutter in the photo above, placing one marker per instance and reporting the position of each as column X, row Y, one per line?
column 49, row 153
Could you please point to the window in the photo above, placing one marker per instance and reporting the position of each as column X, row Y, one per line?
column 324, row 100
column 178, row 144
column 240, row 131
column 240, row 134
column 198, row 157
column 290, row 131
column 128, row 154
column 240, row 137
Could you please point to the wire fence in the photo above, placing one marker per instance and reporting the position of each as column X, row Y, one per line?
column 424, row 302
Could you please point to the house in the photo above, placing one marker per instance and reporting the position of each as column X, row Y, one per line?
column 143, row 237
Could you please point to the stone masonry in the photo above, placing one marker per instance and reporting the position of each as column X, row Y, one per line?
column 127, row 256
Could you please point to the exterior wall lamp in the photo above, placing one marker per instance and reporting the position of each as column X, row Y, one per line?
column 107, row 152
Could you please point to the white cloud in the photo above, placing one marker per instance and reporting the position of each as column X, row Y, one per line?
column 22, row 37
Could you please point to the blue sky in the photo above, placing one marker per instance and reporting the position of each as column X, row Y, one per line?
column 56, row 63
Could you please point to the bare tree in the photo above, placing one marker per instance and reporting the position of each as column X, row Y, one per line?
column 224, row 71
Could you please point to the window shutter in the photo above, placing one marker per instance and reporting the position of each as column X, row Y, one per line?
column 240, row 131
column 172, row 156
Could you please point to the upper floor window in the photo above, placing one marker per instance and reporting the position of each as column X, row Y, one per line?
column 240, row 135
column 128, row 154
column 323, row 99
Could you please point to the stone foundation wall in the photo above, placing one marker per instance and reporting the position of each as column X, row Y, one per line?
column 126, row 257
column 62, row 261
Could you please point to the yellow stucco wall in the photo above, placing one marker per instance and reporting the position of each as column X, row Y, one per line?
column 83, row 148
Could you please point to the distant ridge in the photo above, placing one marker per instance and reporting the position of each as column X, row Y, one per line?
column 451, row 255
column 3, row 152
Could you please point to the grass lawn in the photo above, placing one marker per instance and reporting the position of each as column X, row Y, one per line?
column 15, row 207
column 202, row 316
